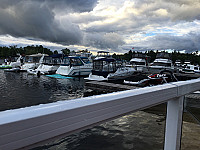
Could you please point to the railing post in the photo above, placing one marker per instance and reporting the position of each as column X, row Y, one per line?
column 174, row 124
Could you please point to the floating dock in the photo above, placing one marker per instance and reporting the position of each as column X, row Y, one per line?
column 107, row 86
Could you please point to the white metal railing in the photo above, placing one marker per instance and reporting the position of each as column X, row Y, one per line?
column 26, row 127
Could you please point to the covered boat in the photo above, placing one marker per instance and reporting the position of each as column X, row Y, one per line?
column 161, row 63
column 107, row 69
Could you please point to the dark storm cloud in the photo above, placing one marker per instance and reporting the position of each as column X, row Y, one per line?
column 189, row 42
column 37, row 19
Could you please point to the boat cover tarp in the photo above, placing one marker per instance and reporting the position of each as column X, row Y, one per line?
column 58, row 76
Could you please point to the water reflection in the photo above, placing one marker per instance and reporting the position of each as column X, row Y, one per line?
column 137, row 131
column 22, row 90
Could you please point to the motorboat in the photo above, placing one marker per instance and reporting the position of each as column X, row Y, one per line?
column 32, row 61
column 154, row 79
column 16, row 69
column 139, row 62
column 16, row 64
column 191, row 69
column 161, row 63
column 49, row 65
column 75, row 66
column 5, row 66
column 107, row 69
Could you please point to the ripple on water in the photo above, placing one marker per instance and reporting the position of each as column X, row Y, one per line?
column 22, row 90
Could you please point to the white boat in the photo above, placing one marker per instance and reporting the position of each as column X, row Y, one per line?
column 191, row 69
column 49, row 65
column 139, row 62
column 12, row 70
column 17, row 63
column 75, row 66
column 32, row 61
column 106, row 69
column 161, row 63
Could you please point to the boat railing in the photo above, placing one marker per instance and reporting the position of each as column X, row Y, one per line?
column 28, row 127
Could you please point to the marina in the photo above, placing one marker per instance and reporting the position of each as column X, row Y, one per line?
column 79, row 95
column 99, row 75
column 109, row 133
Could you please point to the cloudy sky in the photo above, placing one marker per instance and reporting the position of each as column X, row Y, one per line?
column 116, row 26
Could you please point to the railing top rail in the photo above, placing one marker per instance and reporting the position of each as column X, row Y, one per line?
column 23, row 127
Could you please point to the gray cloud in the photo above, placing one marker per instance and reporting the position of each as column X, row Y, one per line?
column 36, row 19
column 189, row 42
column 104, row 41
column 71, row 22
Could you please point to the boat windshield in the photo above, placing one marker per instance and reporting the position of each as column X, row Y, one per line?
column 161, row 64
column 86, row 60
column 72, row 61
column 50, row 60
column 137, row 63
column 104, row 66
column 32, row 59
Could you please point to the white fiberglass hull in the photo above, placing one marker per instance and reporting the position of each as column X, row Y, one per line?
column 96, row 78
column 47, row 69
column 28, row 66
column 74, row 70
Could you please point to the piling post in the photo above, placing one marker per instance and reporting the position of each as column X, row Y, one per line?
column 174, row 124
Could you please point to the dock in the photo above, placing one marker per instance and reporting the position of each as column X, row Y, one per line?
column 108, row 86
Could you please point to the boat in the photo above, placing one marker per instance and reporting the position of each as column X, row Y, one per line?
column 17, row 69
column 190, row 69
column 5, row 66
column 75, row 66
column 16, row 64
column 49, row 65
column 107, row 69
column 32, row 61
column 139, row 62
column 154, row 79
column 161, row 63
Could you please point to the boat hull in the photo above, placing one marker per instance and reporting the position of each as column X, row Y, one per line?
column 74, row 70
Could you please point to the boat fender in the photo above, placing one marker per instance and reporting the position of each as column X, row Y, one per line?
column 38, row 74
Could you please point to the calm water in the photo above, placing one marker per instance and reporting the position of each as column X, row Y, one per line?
column 137, row 131
column 21, row 90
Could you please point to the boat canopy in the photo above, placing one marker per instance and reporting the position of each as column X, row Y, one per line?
column 37, row 55
column 105, row 59
column 72, row 61
column 85, row 60
column 57, row 55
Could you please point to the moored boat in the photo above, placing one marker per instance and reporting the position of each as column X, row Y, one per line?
column 32, row 61
column 75, row 66
column 107, row 69
column 161, row 63
column 5, row 66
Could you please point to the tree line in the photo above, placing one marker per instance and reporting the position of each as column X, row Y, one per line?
column 13, row 51
column 194, row 58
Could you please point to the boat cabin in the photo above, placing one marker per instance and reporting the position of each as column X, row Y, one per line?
column 162, row 62
column 72, row 61
column 104, row 66
column 35, row 58
column 55, row 59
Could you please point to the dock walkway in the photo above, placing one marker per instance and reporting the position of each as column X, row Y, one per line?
column 113, row 87
column 107, row 86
